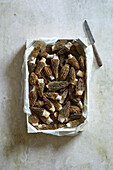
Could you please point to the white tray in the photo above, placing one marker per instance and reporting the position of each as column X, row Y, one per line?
column 30, row 44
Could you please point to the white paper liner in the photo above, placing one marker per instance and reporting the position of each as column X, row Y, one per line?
column 30, row 44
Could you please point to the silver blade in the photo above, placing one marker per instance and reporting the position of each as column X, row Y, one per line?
column 88, row 31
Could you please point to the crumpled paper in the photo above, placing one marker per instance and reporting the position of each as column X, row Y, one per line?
column 30, row 44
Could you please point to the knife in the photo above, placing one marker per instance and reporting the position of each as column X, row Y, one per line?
column 92, row 41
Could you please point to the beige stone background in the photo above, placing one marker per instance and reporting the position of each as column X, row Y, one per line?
column 92, row 149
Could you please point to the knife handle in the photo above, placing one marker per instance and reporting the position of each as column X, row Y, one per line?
column 99, row 62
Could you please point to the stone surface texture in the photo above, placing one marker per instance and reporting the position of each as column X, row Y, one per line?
column 25, row 19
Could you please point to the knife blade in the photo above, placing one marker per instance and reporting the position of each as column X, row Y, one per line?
column 92, row 41
column 89, row 34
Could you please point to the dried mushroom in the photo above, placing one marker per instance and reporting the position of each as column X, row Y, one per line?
column 42, row 75
column 36, row 50
column 64, row 113
column 40, row 111
column 48, row 104
column 32, row 98
column 64, row 95
column 62, row 59
column 33, row 79
column 82, row 63
column 57, row 85
column 39, row 103
column 40, row 87
column 80, row 87
column 53, row 95
column 31, row 67
column 64, row 72
column 73, row 61
column 58, row 45
column 79, row 49
column 55, row 65
column 48, row 72
column 74, row 123
column 40, row 65
column 49, row 49
column 57, row 105
column 34, row 120
column 47, row 120
column 72, row 75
